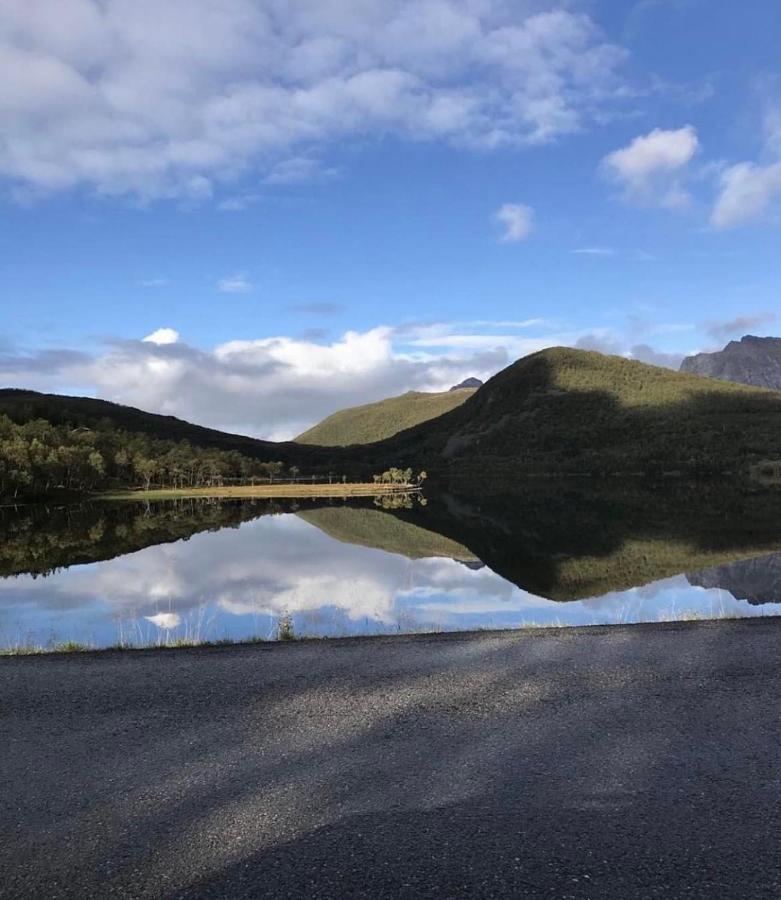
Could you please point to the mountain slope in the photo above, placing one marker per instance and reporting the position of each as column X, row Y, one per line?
column 377, row 421
column 574, row 411
column 751, row 360
column 86, row 412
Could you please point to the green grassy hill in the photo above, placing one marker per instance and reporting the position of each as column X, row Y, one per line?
column 564, row 411
column 377, row 421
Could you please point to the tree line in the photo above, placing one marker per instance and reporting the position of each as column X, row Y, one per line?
column 38, row 458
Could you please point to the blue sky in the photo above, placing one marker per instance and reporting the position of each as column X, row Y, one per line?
column 308, row 204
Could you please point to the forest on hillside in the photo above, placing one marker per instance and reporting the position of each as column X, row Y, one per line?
column 38, row 458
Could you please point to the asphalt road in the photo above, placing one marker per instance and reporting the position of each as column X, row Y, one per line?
column 622, row 762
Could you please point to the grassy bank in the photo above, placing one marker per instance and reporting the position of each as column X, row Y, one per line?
column 287, row 634
column 281, row 491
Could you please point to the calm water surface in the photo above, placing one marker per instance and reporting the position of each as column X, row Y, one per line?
column 138, row 574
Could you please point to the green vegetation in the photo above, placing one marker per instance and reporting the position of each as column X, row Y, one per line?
column 38, row 458
column 285, row 628
column 401, row 477
column 285, row 632
column 377, row 421
column 37, row 649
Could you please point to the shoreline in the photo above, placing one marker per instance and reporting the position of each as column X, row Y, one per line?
column 276, row 491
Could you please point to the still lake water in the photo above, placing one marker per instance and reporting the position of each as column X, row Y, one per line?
column 138, row 574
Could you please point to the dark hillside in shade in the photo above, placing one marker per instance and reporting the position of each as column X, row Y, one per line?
column 565, row 411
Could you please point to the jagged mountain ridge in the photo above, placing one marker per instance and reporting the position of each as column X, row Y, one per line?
column 751, row 360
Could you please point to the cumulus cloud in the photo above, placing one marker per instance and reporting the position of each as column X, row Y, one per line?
column 650, row 168
column 746, row 192
column 163, row 336
column 258, row 85
column 740, row 325
column 517, row 221
column 607, row 341
column 234, row 284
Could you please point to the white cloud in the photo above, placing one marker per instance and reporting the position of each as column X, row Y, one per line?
column 594, row 251
column 153, row 282
column 238, row 203
column 299, row 169
column 517, row 220
column 165, row 621
column 163, row 336
column 234, row 284
column 649, row 169
column 647, row 354
column 241, row 85
column 746, row 192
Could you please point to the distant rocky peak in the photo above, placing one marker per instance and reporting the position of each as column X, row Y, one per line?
column 751, row 360
column 754, row 340
column 467, row 383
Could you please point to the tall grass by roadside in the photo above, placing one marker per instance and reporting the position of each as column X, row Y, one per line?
column 285, row 631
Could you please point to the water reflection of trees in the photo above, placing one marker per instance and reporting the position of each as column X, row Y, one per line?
column 40, row 539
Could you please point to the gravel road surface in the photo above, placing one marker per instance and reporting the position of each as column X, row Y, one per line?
column 640, row 761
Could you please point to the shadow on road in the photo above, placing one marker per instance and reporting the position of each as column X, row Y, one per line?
column 607, row 762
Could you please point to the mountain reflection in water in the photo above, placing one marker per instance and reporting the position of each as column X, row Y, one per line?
column 137, row 573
